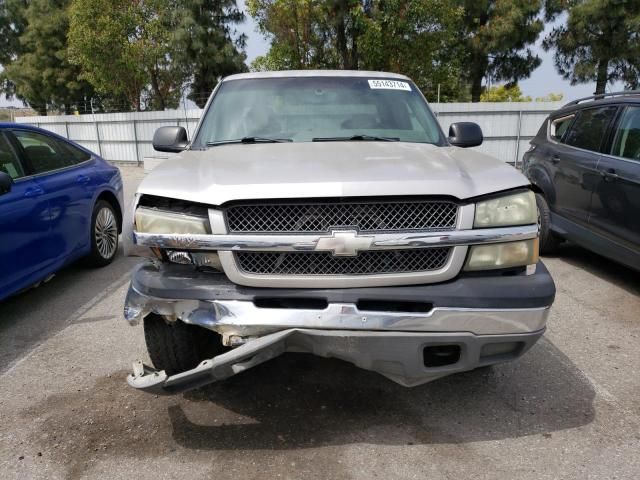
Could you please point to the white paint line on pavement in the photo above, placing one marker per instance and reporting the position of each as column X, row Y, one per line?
column 74, row 317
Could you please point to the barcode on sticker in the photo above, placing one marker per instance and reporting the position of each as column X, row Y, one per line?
column 390, row 85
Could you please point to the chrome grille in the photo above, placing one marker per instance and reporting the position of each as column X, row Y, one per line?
column 368, row 262
column 322, row 217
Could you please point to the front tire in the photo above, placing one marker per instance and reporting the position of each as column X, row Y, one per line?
column 549, row 241
column 176, row 347
column 104, row 235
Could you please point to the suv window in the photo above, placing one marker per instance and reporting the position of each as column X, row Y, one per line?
column 559, row 127
column 590, row 128
column 45, row 153
column 9, row 163
column 627, row 140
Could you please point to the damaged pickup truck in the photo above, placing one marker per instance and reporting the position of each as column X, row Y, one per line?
column 326, row 212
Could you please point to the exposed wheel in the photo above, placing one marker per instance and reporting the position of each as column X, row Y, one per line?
column 175, row 346
column 549, row 241
column 104, row 235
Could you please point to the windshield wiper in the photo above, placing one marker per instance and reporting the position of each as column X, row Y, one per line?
column 248, row 140
column 357, row 138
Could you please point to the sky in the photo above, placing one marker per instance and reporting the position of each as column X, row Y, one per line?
column 543, row 80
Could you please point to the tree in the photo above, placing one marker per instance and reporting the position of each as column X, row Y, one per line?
column 415, row 38
column 298, row 32
column 36, row 61
column 599, row 41
column 550, row 97
column 504, row 93
column 123, row 48
column 418, row 39
column 496, row 35
column 12, row 25
column 206, row 43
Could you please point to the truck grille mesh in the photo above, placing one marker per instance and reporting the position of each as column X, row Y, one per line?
column 322, row 217
column 369, row 262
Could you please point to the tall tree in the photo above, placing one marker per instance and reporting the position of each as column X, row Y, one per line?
column 37, row 66
column 207, row 43
column 297, row 31
column 600, row 41
column 418, row 39
column 496, row 36
column 12, row 25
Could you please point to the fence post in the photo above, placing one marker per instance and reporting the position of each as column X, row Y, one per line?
column 135, row 139
column 95, row 122
column 66, row 129
column 515, row 162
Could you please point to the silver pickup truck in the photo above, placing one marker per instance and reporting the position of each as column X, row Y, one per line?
column 326, row 212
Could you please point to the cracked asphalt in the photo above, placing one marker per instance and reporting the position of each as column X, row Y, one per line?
column 570, row 408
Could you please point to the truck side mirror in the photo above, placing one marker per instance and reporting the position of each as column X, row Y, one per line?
column 6, row 182
column 170, row 139
column 465, row 134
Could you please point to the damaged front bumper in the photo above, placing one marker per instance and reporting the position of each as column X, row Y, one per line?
column 476, row 321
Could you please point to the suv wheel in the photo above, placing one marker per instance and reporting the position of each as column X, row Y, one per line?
column 549, row 241
column 176, row 347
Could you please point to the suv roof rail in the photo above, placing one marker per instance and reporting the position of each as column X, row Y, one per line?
column 603, row 95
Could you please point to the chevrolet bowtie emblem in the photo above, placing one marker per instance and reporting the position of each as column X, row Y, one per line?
column 345, row 243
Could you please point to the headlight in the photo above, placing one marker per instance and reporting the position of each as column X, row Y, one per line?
column 157, row 221
column 502, row 255
column 510, row 210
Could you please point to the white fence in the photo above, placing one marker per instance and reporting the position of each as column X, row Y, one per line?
column 126, row 137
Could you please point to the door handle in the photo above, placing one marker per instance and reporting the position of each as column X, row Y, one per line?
column 555, row 159
column 33, row 192
column 83, row 179
column 609, row 174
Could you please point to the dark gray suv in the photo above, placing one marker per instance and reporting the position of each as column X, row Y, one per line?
column 584, row 164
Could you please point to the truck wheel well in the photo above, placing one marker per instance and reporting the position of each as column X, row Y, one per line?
column 537, row 189
column 113, row 201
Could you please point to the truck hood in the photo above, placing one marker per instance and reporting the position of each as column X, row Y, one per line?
column 328, row 169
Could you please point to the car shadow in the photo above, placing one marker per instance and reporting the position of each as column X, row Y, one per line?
column 36, row 314
column 299, row 401
column 608, row 270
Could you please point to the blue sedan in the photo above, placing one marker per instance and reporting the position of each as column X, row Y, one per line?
column 58, row 203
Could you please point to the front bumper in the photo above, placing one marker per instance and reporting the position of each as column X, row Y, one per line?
column 487, row 319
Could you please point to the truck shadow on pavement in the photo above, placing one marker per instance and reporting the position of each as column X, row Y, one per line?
column 300, row 401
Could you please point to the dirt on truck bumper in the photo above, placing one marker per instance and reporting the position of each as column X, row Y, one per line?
column 410, row 334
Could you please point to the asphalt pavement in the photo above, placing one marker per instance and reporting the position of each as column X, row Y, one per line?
column 568, row 409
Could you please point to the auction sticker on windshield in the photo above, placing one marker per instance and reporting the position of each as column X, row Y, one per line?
column 390, row 85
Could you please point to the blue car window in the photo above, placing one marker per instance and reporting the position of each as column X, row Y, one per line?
column 43, row 153
column 9, row 163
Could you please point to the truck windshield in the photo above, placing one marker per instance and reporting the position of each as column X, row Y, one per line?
column 306, row 109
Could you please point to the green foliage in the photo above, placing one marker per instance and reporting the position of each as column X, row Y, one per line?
column 301, row 32
column 418, row 39
column 12, row 25
column 550, row 97
column 37, row 67
column 415, row 38
column 123, row 49
column 496, row 36
column 206, row 43
column 504, row 93
column 451, row 43
column 599, row 41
